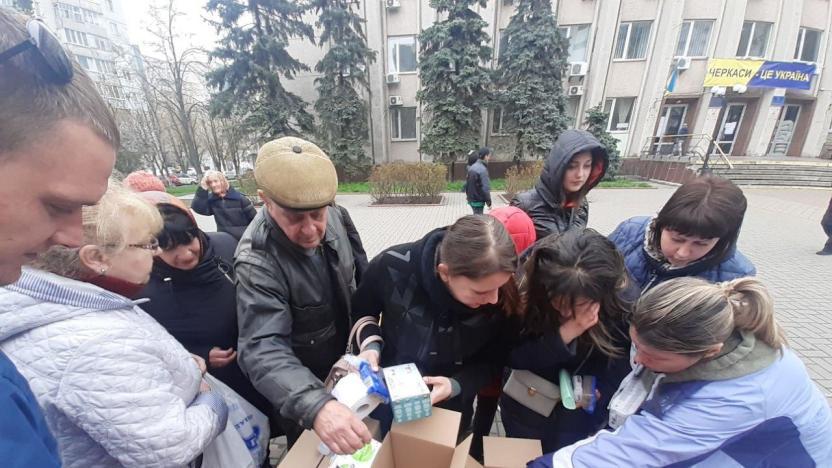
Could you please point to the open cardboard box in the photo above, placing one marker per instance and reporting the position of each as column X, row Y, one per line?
column 425, row 443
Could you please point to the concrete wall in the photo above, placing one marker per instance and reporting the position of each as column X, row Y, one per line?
column 644, row 79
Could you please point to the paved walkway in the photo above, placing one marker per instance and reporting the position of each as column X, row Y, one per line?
column 781, row 234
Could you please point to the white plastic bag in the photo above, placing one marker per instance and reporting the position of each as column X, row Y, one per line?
column 228, row 451
column 246, row 434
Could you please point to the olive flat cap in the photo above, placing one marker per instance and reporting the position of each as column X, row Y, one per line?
column 295, row 174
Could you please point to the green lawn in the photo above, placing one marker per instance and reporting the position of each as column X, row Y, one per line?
column 191, row 189
column 497, row 185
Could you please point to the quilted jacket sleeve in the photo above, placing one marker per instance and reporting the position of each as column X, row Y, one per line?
column 131, row 401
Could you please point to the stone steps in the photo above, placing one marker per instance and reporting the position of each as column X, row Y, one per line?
column 777, row 173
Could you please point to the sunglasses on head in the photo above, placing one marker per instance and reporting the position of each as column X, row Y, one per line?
column 54, row 61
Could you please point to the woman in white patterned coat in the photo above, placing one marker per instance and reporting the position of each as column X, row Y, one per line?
column 116, row 388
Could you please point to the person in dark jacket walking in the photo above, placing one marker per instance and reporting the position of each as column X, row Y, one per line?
column 826, row 223
column 296, row 269
column 694, row 234
column 578, row 300
column 442, row 302
column 58, row 143
column 231, row 209
column 558, row 202
column 478, row 184
column 192, row 294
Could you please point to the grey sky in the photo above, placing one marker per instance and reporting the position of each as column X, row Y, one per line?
column 192, row 27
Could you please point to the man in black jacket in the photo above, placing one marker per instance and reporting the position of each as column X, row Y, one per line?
column 826, row 224
column 478, row 184
column 296, row 269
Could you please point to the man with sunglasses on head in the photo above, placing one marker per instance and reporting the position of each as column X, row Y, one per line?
column 58, row 142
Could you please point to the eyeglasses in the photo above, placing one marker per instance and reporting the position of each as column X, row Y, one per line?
column 152, row 246
column 53, row 59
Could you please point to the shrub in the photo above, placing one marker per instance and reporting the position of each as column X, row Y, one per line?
column 401, row 182
column 248, row 187
column 522, row 177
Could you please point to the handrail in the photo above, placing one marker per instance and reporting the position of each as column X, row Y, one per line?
column 655, row 142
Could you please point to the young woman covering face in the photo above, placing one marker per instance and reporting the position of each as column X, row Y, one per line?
column 577, row 298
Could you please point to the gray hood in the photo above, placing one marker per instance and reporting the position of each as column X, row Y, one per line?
column 568, row 144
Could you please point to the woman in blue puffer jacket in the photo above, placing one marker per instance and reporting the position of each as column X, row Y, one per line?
column 694, row 234
column 714, row 385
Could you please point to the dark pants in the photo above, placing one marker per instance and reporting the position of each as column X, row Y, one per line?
column 478, row 209
column 826, row 223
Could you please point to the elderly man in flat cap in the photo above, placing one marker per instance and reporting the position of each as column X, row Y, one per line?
column 296, row 268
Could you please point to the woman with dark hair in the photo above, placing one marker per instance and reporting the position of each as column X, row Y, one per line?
column 694, row 234
column 577, row 300
column 192, row 294
column 442, row 303
column 576, row 164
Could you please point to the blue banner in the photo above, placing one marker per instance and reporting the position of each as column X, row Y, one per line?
column 794, row 75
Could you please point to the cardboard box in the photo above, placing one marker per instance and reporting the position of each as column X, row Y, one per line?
column 409, row 396
column 425, row 443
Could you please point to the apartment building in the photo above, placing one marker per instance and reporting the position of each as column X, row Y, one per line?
column 95, row 32
column 622, row 56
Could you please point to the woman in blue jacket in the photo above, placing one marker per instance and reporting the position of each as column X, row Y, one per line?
column 719, row 387
column 694, row 234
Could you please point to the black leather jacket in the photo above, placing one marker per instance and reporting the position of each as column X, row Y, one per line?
column 544, row 203
column 293, row 326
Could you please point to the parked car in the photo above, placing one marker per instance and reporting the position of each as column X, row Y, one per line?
column 185, row 179
column 230, row 175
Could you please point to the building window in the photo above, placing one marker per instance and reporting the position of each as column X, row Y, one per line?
column 110, row 91
column 110, row 5
column 694, row 38
column 90, row 16
column 632, row 40
column 76, row 37
column 620, row 111
column 101, row 43
column 403, row 123
column 754, row 39
column 84, row 61
column 70, row 12
column 578, row 35
column 402, row 54
column 572, row 110
column 808, row 45
column 501, row 122
column 104, row 66
column 503, row 45
column 114, row 28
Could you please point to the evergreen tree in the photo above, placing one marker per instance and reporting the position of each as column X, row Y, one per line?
column 343, row 112
column 454, row 82
column 596, row 124
column 529, row 78
column 253, row 57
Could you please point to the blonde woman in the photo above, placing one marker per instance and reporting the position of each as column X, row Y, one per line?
column 116, row 388
column 232, row 210
column 720, row 387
